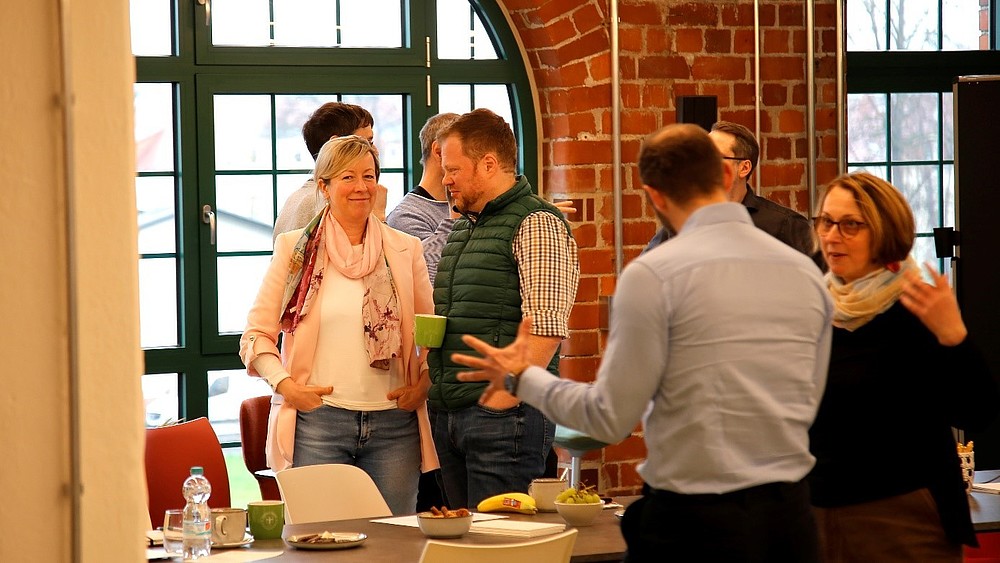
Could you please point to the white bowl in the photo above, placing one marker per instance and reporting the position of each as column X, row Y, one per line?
column 438, row 527
column 579, row 514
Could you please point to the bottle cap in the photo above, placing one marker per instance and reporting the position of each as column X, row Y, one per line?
column 196, row 470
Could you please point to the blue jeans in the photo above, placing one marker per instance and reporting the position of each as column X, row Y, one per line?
column 385, row 444
column 485, row 452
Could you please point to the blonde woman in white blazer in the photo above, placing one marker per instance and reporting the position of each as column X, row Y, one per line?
column 343, row 291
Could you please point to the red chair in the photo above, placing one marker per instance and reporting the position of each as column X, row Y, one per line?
column 171, row 451
column 253, row 436
column 988, row 550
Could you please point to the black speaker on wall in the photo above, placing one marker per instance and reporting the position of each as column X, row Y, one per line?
column 700, row 110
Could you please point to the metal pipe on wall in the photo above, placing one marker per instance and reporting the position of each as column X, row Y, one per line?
column 616, row 140
column 66, row 99
column 841, row 93
column 811, row 103
column 756, row 84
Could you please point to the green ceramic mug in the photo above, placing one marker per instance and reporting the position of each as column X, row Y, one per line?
column 428, row 330
column 267, row 518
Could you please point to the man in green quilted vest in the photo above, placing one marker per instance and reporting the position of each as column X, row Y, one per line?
column 510, row 254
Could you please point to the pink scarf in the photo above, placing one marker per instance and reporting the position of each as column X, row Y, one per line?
column 324, row 240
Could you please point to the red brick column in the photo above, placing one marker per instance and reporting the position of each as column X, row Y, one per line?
column 668, row 48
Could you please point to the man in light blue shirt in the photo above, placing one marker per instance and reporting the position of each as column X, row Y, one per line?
column 719, row 343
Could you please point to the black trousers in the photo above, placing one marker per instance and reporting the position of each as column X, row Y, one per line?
column 767, row 523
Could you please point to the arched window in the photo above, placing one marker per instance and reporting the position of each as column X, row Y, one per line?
column 223, row 88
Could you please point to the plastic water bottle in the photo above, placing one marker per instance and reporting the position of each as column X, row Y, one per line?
column 197, row 515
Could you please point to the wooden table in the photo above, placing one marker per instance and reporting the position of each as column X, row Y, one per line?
column 985, row 507
column 387, row 543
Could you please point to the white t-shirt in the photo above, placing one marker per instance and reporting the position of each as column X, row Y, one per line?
column 341, row 359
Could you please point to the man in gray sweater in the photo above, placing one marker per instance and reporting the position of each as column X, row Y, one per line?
column 425, row 211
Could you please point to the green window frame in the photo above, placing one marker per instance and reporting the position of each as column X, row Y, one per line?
column 894, row 75
column 197, row 363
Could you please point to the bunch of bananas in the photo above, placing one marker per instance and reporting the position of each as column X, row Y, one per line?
column 509, row 502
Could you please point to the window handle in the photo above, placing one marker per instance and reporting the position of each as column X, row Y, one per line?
column 208, row 217
column 208, row 10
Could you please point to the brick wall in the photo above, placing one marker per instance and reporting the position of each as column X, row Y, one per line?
column 668, row 48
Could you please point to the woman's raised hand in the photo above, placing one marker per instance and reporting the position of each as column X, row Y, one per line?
column 935, row 305
column 303, row 398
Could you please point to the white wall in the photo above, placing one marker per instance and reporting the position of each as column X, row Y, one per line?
column 39, row 329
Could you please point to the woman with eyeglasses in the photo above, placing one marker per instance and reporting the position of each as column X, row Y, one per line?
column 887, row 485
column 342, row 294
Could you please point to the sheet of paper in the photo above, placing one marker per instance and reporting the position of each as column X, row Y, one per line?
column 987, row 488
column 517, row 528
column 156, row 553
column 411, row 521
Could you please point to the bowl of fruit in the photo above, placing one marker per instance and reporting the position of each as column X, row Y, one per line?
column 580, row 505
column 444, row 523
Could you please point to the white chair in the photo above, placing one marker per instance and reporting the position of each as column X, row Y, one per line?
column 318, row 493
column 556, row 548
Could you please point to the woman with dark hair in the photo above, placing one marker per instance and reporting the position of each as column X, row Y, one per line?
column 887, row 485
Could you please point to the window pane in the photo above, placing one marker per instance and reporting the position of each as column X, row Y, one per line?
column 159, row 393
column 242, row 132
column 462, row 98
column 154, row 129
column 154, row 198
column 948, row 204
column 308, row 23
column 496, row 98
column 947, row 126
column 455, row 98
column 239, row 279
column 151, row 27
column 866, row 127
column 245, row 207
column 914, row 133
column 393, row 182
column 461, row 34
column 291, row 113
column 243, row 488
column 878, row 171
column 865, row 23
column 914, row 25
column 387, row 112
column 226, row 391
column 454, row 33
column 961, row 25
column 241, row 22
column 305, row 23
column 158, row 302
column 288, row 183
column 923, row 251
column 372, row 23
column 482, row 45
column 919, row 185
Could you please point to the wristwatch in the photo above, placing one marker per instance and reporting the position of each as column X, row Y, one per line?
column 510, row 382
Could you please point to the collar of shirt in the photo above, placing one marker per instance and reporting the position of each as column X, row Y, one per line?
column 727, row 212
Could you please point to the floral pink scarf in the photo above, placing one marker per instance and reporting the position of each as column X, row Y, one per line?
column 324, row 240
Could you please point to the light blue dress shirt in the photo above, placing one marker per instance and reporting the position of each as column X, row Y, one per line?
column 719, row 343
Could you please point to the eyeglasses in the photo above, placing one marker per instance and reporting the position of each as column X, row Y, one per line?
column 848, row 227
column 734, row 158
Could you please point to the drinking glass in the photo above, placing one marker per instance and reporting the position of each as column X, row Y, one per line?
column 173, row 532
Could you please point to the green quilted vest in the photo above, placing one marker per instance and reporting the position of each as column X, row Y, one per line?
column 477, row 288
